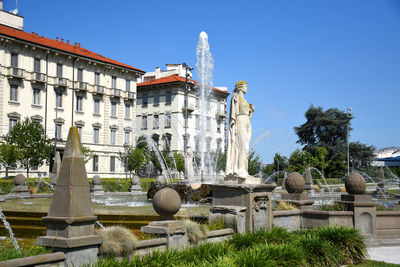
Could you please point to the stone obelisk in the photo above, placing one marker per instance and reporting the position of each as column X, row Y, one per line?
column 70, row 219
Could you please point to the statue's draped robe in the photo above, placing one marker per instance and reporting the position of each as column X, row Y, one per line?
column 189, row 164
column 238, row 137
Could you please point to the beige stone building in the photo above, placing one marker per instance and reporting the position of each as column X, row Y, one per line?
column 60, row 84
column 161, row 112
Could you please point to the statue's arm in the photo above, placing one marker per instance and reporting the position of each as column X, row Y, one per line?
column 251, row 110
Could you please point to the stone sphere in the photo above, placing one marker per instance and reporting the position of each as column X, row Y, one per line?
column 19, row 179
column 166, row 202
column 135, row 180
column 96, row 180
column 294, row 183
column 355, row 184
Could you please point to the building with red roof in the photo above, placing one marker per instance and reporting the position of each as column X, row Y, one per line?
column 162, row 108
column 61, row 84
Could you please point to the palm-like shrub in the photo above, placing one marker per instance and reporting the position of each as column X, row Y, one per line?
column 117, row 241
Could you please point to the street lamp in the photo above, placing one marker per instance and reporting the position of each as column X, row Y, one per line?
column 187, row 68
column 348, row 149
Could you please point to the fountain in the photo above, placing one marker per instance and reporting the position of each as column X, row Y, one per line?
column 205, row 66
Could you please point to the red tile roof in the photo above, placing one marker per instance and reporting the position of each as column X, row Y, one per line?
column 74, row 49
column 172, row 79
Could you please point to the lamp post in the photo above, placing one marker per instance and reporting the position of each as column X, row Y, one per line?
column 187, row 68
column 348, row 147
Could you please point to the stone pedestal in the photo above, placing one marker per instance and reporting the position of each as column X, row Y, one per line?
column 135, row 188
column 70, row 220
column 253, row 201
column 300, row 200
column 22, row 190
column 309, row 185
column 97, row 189
column 364, row 212
column 239, row 180
column 174, row 231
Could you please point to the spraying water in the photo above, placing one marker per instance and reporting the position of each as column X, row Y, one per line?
column 8, row 227
column 205, row 66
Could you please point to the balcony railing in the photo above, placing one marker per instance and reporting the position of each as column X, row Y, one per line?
column 116, row 92
column 61, row 81
column 99, row 89
column 38, row 77
column 81, row 86
column 221, row 113
column 130, row 95
column 14, row 72
column 190, row 108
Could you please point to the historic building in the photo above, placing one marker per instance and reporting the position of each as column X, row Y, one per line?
column 61, row 84
column 161, row 111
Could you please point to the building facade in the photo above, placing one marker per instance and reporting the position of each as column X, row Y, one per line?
column 161, row 112
column 59, row 85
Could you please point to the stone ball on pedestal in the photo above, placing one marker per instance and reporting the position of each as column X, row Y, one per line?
column 19, row 179
column 294, row 183
column 96, row 180
column 355, row 184
column 135, row 180
column 166, row 202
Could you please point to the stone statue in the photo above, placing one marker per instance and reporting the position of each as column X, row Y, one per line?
column 189, row 164
column 239, row 134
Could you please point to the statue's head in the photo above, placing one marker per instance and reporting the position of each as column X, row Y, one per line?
column 241, row 86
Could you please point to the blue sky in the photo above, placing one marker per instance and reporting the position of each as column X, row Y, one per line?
column 331, row 53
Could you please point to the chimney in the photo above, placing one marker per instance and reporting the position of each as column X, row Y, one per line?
column 1, row 4
column 75, row 43
column 79, row 44
column 67, row 41
column 57, row 38
column 157, row 72
column 62, row 40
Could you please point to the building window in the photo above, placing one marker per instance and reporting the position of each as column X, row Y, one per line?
column 208, row 104
column 96, row 132
column 167, row 120
column 112, row 164
column 156, row 98
column 13, row 92
column 59, row 100
column 128, row 85
column 79, row 100
column 96, row 106
column 80, row 75
column 80, row 132
column 58, row 131
column 156, row 122
column 208, row 124
column 208, row 145
column 197, row 122
column 144, row 100
column 97, row 78
column 127, row 138
column 14, row 60
column 197, row 101
column 156, row 139
column 13, row 122
column 219, row 123
column 113, row 109
column 36, row 65
column 144, row 122
column 112, row 136
column 168, row 138
column 127, row 111
column 218, row 145
column 113, row 82
column 59, row 70
column 36, row 96
column 95, row 163
column 168, row 98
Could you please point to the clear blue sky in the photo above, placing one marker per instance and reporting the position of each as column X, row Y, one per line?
column 331, row 53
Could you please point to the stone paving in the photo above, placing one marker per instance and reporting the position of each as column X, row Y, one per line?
column 386, row 254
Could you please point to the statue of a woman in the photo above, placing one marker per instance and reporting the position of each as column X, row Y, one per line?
column 239, row 133
column 189, row 164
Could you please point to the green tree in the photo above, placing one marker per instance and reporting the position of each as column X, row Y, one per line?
column 32, row 144
column 299, row 160
column 221, row 161
column 87, row 153
column 280, row 162
column 133, row 158
column 319, row 160
column 254, row 163
column 180, row 162
column 9, row 156
column 361, row 155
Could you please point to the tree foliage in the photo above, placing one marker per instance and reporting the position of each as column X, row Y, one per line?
column 180, row 162
column 33, row 146
column 254, row 163
column 361, row 155
column 9, row 155
column 299, row 160
column 221, row 161
column 133, row 158
column 88, row 154
column 280, row 162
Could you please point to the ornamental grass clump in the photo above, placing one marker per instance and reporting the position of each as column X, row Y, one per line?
column 196, row 232
column 117, row 241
